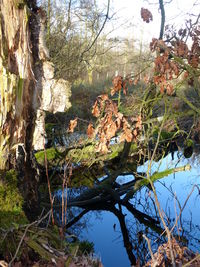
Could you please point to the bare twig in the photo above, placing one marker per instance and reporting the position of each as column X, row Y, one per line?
column 37, row 222
column 101, row 29
column 181, row 210
column 48, row 182
column 189, row 263
column 69, row 14
column 150, row 250
column 168, row 232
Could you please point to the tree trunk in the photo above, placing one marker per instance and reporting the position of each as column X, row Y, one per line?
column 22, row 73
column 19, row 81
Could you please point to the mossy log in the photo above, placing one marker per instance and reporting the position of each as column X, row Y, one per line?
column 88, row 165
column 106, row 190
column 156, row 176
column 85, row 154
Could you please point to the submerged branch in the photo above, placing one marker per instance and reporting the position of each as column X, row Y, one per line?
column 77, row 218
column 109, row 191
column 156, row 176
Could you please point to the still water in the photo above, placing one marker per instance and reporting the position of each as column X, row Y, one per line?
column 103, row 228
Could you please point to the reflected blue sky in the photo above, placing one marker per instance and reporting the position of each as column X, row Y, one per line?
column 109, row 242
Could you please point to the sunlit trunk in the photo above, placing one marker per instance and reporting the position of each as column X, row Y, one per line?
column 28, row 89
column 20, row 76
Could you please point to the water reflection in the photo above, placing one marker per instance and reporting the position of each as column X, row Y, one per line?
column 119, row 234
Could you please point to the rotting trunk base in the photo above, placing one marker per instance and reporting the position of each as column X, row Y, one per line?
column 19, row 97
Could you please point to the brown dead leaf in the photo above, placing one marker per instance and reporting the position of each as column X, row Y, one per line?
column 90, row 131
column 95, row 110
column 194, row 60
column 136, row 80
column 126, row 135
column 146, row 79
column 146, row 15
column 111, row 130
column 181, row 48
column 135, row 133
column 72, row 125
column 125, row 87
column 170, row 89
column 103, row 97
column 162, row 89
column 118, row 122
column 117, row 84
column 102, row 148
column 139, row 123
column 107, row 118
column 111, row 107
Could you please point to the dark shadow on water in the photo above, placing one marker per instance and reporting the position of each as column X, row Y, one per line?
column 138, row 217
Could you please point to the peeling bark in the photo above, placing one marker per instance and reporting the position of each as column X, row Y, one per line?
column 19, row 75
column 22, row 75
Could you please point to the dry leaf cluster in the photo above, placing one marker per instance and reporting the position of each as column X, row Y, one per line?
column 174, row 58
column 112, row 123
column 183, row 255
column 146, row 15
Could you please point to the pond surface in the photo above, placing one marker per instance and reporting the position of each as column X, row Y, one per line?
column 103, row 228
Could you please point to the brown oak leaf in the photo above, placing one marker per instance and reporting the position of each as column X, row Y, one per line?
column 102, row 148
column 139, row 123
column 117, row 84
column 170, row 89
column 72, row 125
column 146, row 15
column 126, row 135
column 95, row 109
column 90, row 131
column 111, row 130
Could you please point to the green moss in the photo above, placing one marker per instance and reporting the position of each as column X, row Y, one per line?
column 189, row 143
column 10, row 198
column 159, row 175
column 87, row 154
column 12, row 219
column 11, row 213
column 44, row 254
column 51, row 153
column 11, row 201
column 27, row 13
column 79, row 181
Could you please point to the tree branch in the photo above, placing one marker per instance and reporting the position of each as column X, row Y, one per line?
column 162, row 19
column 101, row 29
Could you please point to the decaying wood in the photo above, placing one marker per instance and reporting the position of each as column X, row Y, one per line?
column 23, row 76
